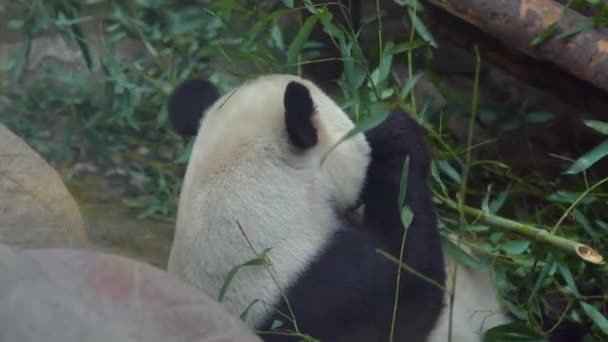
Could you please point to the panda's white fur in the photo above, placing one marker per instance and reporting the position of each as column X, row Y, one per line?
column 237, row 174
column 476, row 305
column 234, row 144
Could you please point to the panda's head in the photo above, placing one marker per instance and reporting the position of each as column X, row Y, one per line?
column 277, row 126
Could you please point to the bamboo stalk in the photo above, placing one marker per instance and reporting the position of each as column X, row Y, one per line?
column 581, row 250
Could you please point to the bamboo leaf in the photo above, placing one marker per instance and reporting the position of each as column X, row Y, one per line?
column 597, row 317
column 449, row 171
column 513, row 332
column 545, row 35
column 245, row 312
column 580, row 27
column 301, row 38
column 403, row 182
column 409, row 85
column 597, row 125
column 407, row 216
column 516, row 246
column 421, row 28
column 485, row 207
column 498, row 202
column 461, row 256
column 589, row 158
column 380, row 74
column 379, row 113
column 568, row 277
column 259, row 261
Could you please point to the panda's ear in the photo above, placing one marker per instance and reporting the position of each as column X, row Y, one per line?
column 188, row 102
column 299, row 110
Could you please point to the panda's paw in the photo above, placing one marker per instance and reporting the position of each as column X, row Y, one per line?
column 397, row 137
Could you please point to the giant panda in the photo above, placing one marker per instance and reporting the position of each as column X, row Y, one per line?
column 255, row 185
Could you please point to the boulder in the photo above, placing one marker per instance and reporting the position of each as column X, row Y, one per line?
column 36, row 208
column 61, row 295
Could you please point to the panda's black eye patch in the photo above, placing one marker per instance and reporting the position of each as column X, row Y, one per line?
column 299, row 110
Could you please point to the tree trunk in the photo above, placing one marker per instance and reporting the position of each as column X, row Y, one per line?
column 518, row 22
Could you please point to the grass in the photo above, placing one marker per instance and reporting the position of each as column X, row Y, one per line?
column 112, row 113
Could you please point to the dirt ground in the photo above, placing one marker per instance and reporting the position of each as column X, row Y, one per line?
column 113, row 227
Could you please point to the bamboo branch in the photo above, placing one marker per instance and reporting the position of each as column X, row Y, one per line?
column 581, row 250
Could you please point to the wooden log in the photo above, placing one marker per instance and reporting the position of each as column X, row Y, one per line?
column 518, row 22
column 535, row 72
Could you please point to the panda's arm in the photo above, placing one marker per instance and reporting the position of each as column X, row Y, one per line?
column 392, row 141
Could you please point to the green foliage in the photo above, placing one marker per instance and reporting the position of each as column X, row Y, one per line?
column 594, row 155
column 599, row 20
column 113, row 111
column 260, row 260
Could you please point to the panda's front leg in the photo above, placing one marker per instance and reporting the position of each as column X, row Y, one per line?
column 398, row 137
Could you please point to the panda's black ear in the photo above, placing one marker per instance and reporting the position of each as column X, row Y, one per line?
column 299, row 110
column 188, row 102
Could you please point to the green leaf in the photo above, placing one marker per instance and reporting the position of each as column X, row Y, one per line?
column 539, row 117
column 288, row 3
column 580, row 27
column 498, row 202
column 485, row 207
column 513, row 332
column 515, row 310
column 259, row 261
column 516, row 247
column 476, row 228
column 329, row 27
column 8, row 64
column 437, row 178
column 421, row 28
column 15, row 24
column 245, row 312
column 301, row 38
column 184, row 155
column 407, row 216
column 495, row 237
column 569, row 197
column 379, row 113
column 589, row 158
column 545, row 35
column 407, row 46
column 403, row 182
column 409, row 85
column 597, row 317
column 580, row 217
column 447, row 169
column 547, row 269
column 602, row 224
column 380, row 74
column 462, row 256
column 276, row 36
column 599, row 126
column 568, row 277
column 276, row 324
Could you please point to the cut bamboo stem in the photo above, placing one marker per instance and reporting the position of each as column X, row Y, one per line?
column 581, row 250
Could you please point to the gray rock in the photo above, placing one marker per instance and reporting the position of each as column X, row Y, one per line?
column 66, row 295
column 36, row 208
